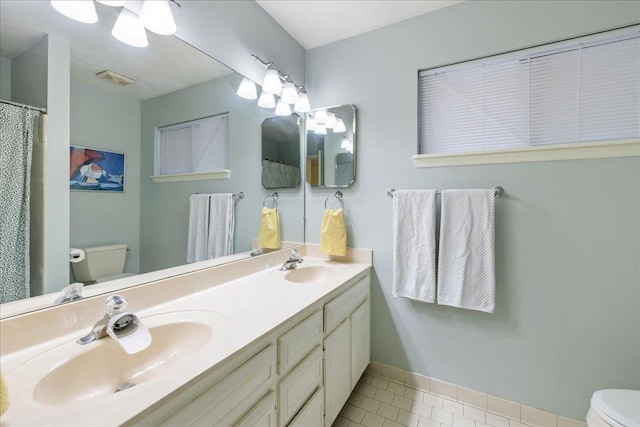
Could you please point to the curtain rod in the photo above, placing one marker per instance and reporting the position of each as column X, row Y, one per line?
column 30, row 107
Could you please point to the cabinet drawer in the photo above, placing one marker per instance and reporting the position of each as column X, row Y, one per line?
column 232, row 396
column 312, row 414
column 299, row 385
column 299, row 341
column 339, row 308
column 263, row 414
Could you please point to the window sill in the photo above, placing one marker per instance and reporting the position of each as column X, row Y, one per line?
column 223, row 174
column 576, row 151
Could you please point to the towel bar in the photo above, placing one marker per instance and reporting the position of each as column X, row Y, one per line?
column 497, row 191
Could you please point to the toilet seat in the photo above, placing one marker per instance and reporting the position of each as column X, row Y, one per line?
column 618, row 408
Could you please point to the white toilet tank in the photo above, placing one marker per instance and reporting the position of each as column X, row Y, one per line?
column 100, row 262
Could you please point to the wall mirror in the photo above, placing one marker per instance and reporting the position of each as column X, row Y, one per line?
column 174, row 83
column 281, row 138
column 331, row 147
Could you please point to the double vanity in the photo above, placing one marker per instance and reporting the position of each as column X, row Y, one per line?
column 238, row 344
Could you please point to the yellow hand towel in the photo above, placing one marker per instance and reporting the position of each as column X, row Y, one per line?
column 4, row 396
column 269, row 233
column 333, row 236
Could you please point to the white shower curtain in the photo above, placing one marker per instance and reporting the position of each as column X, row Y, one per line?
column 16, row 145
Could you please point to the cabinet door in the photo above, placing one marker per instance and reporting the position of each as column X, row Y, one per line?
column 337, row 371
column 263, row 414
column 311, row 414
column 360, row 340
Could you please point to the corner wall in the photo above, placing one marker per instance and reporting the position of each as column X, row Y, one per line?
column 567, row 239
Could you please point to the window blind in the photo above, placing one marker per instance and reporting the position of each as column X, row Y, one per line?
column 582, row 90
column 192, row 147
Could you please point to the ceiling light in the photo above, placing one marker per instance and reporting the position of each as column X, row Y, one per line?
column 321, row 116
column 272, row 83
column 311, row 124
column 347, row 145
column 129, row 30
column 283, row 109
column 81, row 10
column 247, row 89
column 331, row 120
column 156, row 16
column 339, row 127
column 302, row 106
column 320, row 129
column 290, row 93
column 112, row 3
column 266, row 100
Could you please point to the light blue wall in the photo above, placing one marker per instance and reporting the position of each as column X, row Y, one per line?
column 107, row 121
column 165, row 206
column 29, row 75
column 5, row 78
column 567, row 240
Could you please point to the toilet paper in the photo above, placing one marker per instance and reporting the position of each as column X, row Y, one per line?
column 76, row 255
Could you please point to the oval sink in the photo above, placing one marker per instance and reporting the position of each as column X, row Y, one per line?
column 310, row 273
column 102, row 368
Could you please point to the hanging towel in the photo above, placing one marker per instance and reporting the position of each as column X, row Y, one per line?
column 414, row 244
column 466, row 265
column 221, row 226
column 269, row 233
column 198, row 227
column 333, row 234
column 4, row 396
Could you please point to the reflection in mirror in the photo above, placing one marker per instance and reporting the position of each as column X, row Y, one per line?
column 331, row 146
column 143, row 228
column 281, row 152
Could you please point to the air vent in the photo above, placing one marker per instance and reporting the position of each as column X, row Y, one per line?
column 115, row 78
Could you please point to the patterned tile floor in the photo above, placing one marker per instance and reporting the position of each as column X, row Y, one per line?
column 377, row 402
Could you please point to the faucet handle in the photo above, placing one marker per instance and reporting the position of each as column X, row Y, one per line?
column 116, row 304
column 295, row 253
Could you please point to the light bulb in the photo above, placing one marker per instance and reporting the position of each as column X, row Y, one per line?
column 81, row 10
column 247, row 89
column 283, row 109
column 320, row 129
column 339, row 127
column 129, row 30
column 290, row 93
column 266, row 100
column 311, row 124
column 345, row 143
column 331, row 120
column 156, row 16
column 112, row 3
column 321, row 116
column 272, row 83
column 302, row 106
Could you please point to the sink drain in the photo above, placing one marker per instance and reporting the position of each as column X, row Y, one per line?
column 124, row 386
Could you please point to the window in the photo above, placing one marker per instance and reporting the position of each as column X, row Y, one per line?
column 192, row 150
column 534, row 103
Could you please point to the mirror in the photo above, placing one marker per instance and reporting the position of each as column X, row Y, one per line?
column 281, row 138
column 174, row 83
column 331, row 147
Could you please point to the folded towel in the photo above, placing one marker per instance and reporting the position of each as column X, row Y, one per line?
column 466, row 265
column 414, row 244
column 4, row 396
column 333, row 234
column 221, row 225
column 269, row 233
column 198, row 227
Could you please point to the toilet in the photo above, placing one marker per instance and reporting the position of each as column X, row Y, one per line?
column 101, row 264
column 614, row 408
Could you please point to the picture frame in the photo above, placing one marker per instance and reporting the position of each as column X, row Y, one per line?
column 93, row 169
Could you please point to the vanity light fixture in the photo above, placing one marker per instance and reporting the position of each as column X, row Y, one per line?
column 247, row 89
column 347, row 145
column 321, row 116
column 282, row 108
column 272, row 83
column 289, row 93
column 156, row 16
column 331, row 120
column 339, row 127
column 80, row 10
column 303, row 105
column 129, row 30
column 112, row 3
column 266, row 100
column 320, row 129
column 311, row 124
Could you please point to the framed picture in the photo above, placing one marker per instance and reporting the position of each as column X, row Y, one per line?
column 91, row 169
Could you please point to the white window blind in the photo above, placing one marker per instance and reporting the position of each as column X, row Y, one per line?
column 197, row 146
column 581, row 90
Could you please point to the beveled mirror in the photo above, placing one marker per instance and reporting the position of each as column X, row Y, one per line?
column 331, row 147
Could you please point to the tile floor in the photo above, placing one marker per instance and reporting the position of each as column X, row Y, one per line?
column 377, row 402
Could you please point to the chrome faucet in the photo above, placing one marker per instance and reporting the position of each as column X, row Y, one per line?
column 70, row 293
column 125, row 328
column 292, row 262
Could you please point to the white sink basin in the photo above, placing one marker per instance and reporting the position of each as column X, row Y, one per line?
column 72, row 373
column 310, row 273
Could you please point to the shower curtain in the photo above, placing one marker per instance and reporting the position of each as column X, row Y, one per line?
column 16, row 145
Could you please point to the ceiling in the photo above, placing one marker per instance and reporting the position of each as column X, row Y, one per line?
column 315, row 23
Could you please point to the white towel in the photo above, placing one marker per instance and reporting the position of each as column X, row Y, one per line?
column 414, row 244
column 198, row 227
column 466, row 264
column 221, row 225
